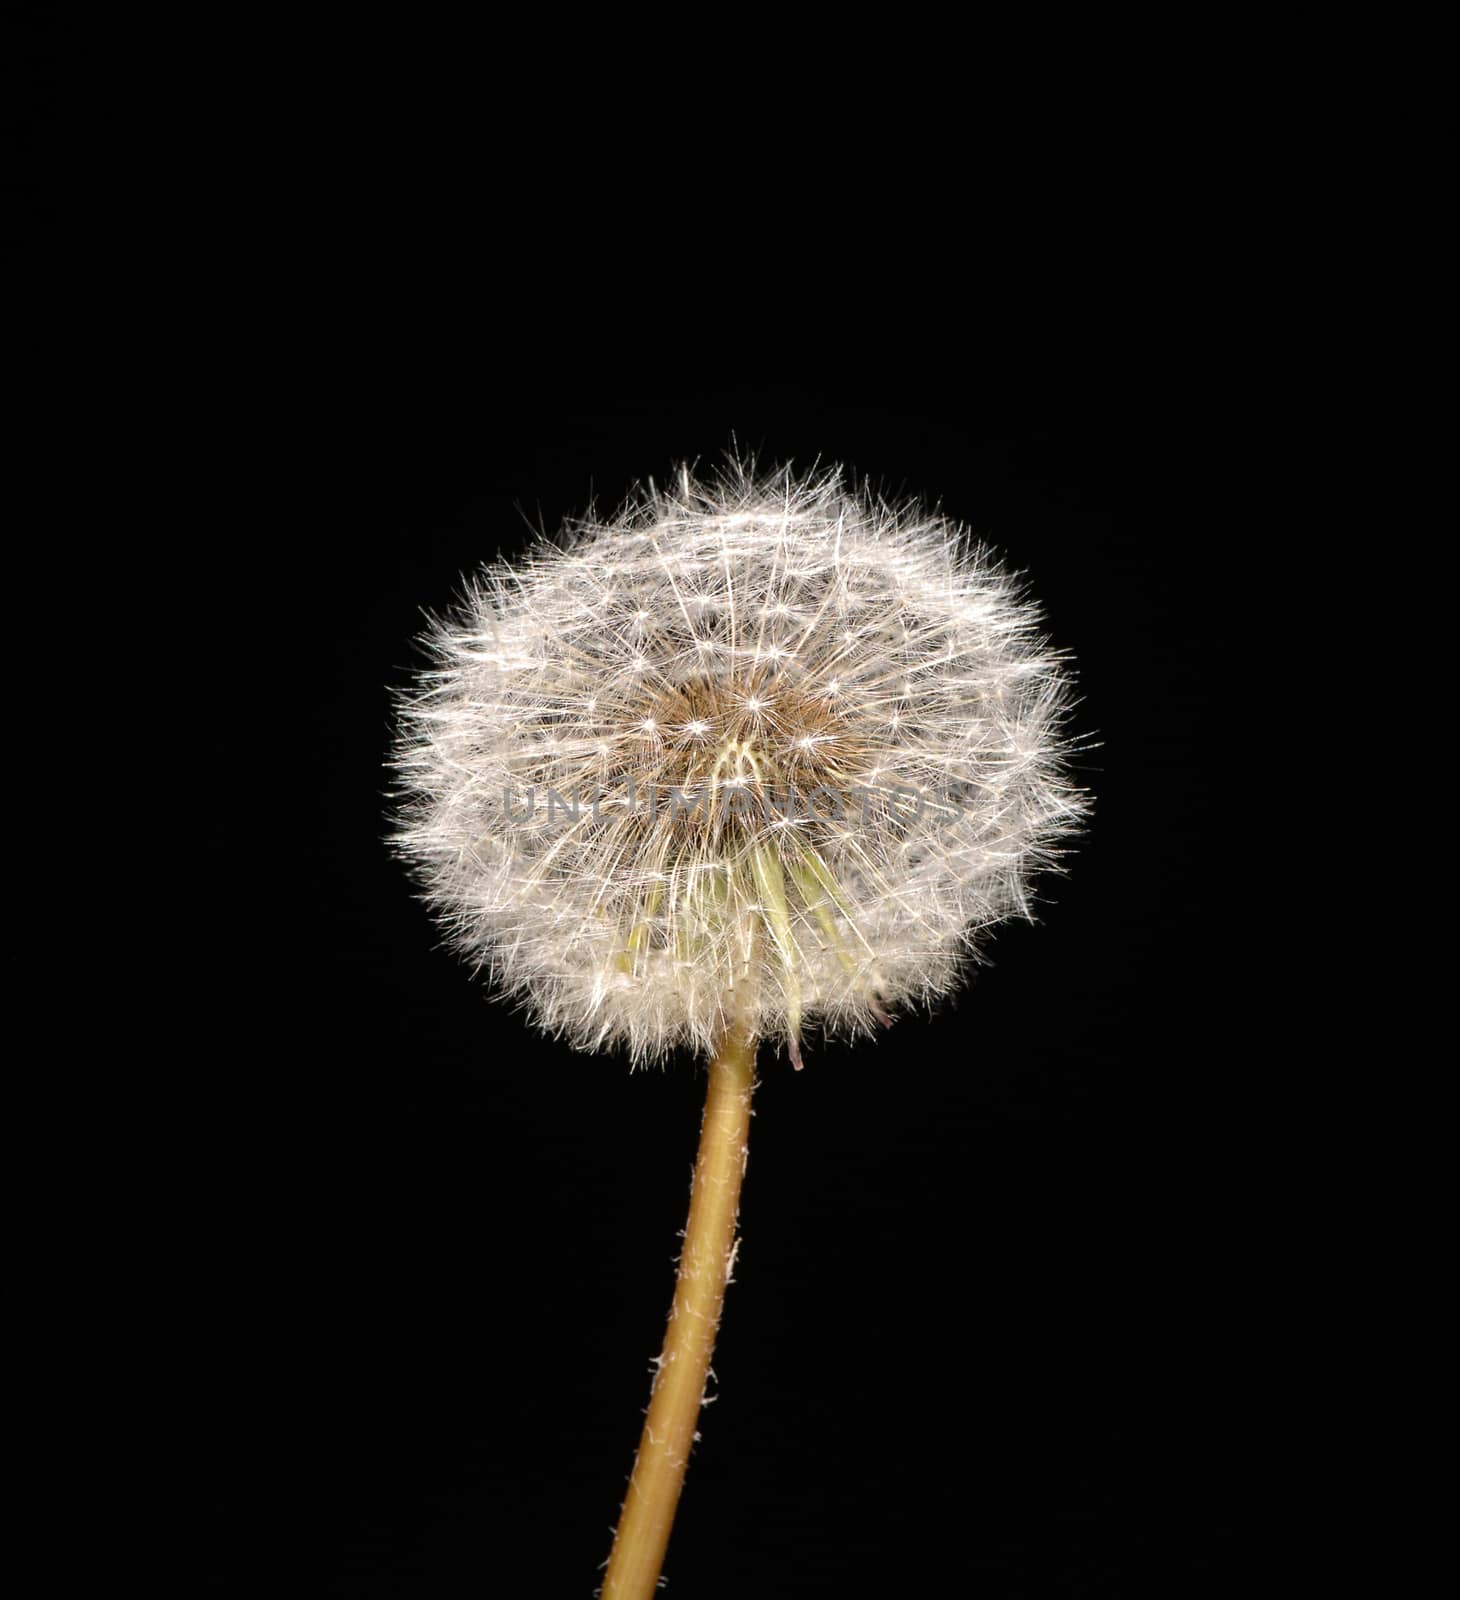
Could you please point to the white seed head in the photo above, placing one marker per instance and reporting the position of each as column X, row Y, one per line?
column 757, row 745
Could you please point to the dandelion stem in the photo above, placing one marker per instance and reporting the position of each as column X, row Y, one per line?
column 704, row 1269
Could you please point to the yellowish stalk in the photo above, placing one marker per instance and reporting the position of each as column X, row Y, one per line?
column 638, row 940
column 772, row 885
column 704, row 1269
column 811, row 894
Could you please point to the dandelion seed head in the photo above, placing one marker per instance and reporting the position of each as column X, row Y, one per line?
column 594, row 769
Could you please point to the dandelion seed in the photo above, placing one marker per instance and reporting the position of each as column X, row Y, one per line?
column 903, row 660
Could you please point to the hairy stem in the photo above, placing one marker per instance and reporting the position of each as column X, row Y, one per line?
column 679, row 1386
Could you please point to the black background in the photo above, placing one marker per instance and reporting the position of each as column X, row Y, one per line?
column 406, row 1262
column 963, row 1352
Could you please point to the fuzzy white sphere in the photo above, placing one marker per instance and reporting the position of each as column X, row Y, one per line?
column 813, row 743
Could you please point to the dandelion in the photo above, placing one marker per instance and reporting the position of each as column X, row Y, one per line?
column 761, row 756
